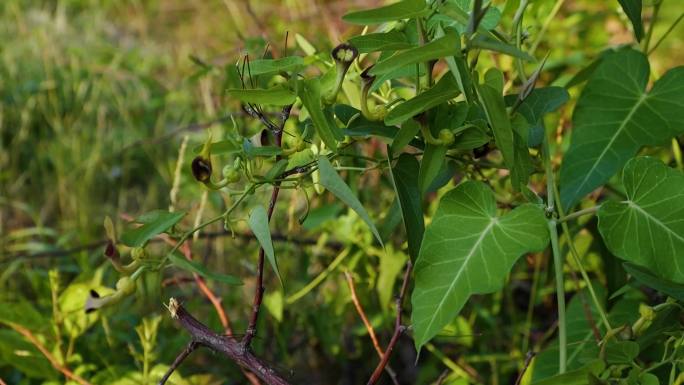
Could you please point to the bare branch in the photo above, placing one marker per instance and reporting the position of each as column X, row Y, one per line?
column 192, row 345
column 228, row 345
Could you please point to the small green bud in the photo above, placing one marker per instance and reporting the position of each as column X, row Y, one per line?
column 446, row 136
column 647, row 312
column 138, row 253
column 300, row 144
column 230, row 174
column 379, row 112
column 125, row 285
column 626, row 333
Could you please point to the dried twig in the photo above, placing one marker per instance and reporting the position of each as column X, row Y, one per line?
column 53, row 361
column 203, row 336
column 398, row 328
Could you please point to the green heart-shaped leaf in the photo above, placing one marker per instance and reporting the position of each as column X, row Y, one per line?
column 468, row 249
column 647, row 229
column 614, row 117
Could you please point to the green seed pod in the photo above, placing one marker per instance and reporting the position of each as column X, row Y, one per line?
column 230, row 174
column 626, row 333
column 125, row 285
column 446, row 136
column 201, row 169
column 138, row 254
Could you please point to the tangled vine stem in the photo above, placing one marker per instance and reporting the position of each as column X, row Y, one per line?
column 398, row 328
column 259, row 290
column 203, row 336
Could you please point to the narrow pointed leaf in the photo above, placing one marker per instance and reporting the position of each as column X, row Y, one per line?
column 522, row 166
column 405, row 177
column 445, row 89
column 632, row 9
column 432, row 161
column 221, row 147
column 276, row 96
column 468, row 249
column 310, row 94
column 407, row 132
column 196, row 267
column 457, row 68
column 334, row 183
column 384, row 41
column 258, row 223
column 488, row 43
column 154, row 223
column 537, row 104
column 647, row 229
column 405, row 9
column 645, row 277
column 448, row 45
column 495, row 110
column 615, row 117
column 268, row 66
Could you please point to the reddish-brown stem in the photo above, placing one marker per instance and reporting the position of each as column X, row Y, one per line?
column 362, row 314
column 192, row 345
column 398, row 328
column 202, row 285
column 367, row 324
column 53, row 361
column 259, row 288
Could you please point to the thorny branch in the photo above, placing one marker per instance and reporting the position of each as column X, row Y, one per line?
column 398, row 328
column 203, row 336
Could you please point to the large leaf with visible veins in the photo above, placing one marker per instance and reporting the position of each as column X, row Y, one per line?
column 468, row 249
column 647, row 229
column 615, row 116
